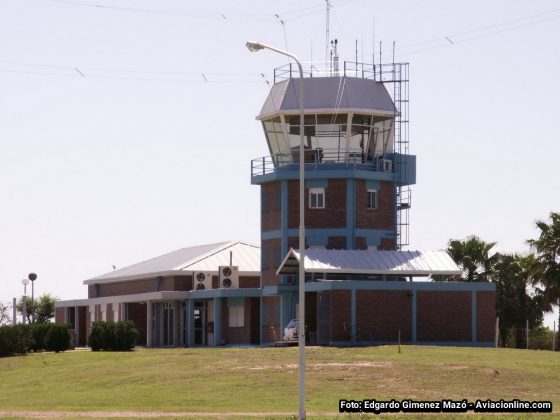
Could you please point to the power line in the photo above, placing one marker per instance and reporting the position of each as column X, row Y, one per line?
column 485, row 28
column 309, row 10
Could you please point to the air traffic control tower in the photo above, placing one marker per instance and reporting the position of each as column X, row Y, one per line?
column 357, row 167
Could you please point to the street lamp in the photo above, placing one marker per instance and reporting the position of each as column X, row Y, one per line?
column 32, row 277
column 254, row 47
column 25, row 282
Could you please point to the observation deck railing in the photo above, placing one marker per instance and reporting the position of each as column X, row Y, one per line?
column 320, row 159
column 378, row 72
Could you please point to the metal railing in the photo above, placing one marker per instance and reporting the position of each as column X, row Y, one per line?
column 318, row 159
column 378, row 72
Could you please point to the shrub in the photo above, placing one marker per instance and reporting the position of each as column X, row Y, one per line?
column 113, row 336
column 126, row 335
column 14, row 339
column 39, row 333
column 58, row 338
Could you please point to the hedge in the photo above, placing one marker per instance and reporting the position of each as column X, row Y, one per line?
column 58, row 338
column 113, row 336
column 15, row 339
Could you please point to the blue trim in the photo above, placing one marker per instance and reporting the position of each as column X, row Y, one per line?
column 353, row 316
column 414, row 311
column 324, row 171
column 404, row 286
column 278, row 289
column 473, row 315
column 321, row 236
column 373, row 185
column 374, row 236
column 284, row 217
column 350, row 214
column 190, row 326
column 316, row 183
column 214, row 293
column 217, row 321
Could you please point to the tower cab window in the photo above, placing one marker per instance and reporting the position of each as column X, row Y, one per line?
column 316, row 198
column 372, row 199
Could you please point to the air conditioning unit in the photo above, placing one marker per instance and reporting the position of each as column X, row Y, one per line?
column 229, row 277
column 202, row 281
column 385, row 165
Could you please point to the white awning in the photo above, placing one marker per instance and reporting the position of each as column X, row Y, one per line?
column 403, row 263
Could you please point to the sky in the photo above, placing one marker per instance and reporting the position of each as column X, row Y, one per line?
column 127, row 127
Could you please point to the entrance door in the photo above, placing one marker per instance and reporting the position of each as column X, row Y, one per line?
column 199, row 317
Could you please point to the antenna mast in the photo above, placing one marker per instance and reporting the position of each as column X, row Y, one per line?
column 327, row 34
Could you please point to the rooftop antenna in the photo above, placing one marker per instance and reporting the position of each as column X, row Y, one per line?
column 327, row 34
column 394, row 52
column 334, row 57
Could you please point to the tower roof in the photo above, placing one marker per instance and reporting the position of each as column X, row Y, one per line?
column 325, row 94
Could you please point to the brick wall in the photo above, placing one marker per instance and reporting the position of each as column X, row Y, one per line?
column 332, row 216
column 443, row 316
column 236, row 335
column 485, row 316
column 271, row 321
column 386, row 244
column 271, row 257
column 59, row 315
column 137, row 314
column 270, row 206
column 380, row 218
column 341, row 315
column 381, row 314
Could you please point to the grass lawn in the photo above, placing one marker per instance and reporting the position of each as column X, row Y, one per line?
column 264, row 380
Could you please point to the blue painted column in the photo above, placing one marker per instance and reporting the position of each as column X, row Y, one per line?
column 414, row 317
column 217, row 321
column 350, row 214
column 353, row 316
column 473, row 316
column 190, row 323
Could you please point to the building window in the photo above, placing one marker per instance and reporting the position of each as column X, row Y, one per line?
column 237, row 316
column 316, row 198
column 372, row 199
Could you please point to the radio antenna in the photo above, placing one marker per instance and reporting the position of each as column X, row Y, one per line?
column 327, row 32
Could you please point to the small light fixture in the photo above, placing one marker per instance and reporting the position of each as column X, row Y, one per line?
column 254, row 46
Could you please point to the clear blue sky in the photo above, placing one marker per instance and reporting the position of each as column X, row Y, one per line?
column 143, row 156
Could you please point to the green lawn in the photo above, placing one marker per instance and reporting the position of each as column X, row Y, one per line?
column 264, row 380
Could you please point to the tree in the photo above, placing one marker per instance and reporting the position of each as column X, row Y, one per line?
column 44, row 308
column 516, row 303
column 5, row 318
column 472, row 254
column 548, row 255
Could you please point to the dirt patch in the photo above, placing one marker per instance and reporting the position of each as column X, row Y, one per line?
column 319, row 366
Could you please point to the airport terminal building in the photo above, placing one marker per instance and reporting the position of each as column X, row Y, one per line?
column 361, row 286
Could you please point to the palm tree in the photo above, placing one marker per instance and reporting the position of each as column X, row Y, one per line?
column 515, row 302
column 472, row 254
column 548, row 255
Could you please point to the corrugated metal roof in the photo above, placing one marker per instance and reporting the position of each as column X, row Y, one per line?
column 197, row 258
column 406, row 263
column 323, row 93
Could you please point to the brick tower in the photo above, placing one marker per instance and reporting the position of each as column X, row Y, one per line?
column 357, row 171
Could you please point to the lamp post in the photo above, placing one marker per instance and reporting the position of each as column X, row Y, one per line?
column 32, row 277
column 25, row 282
column 254, row 47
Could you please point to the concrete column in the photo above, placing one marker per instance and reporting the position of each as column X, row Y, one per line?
column 353, row 316
column 103, row 312
column 190, row 323
column 77, row 325
column 217, row 321
column 115, row 306
column 149, row 322
column 473, row 315
column 92, row 317
column 414, row 317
